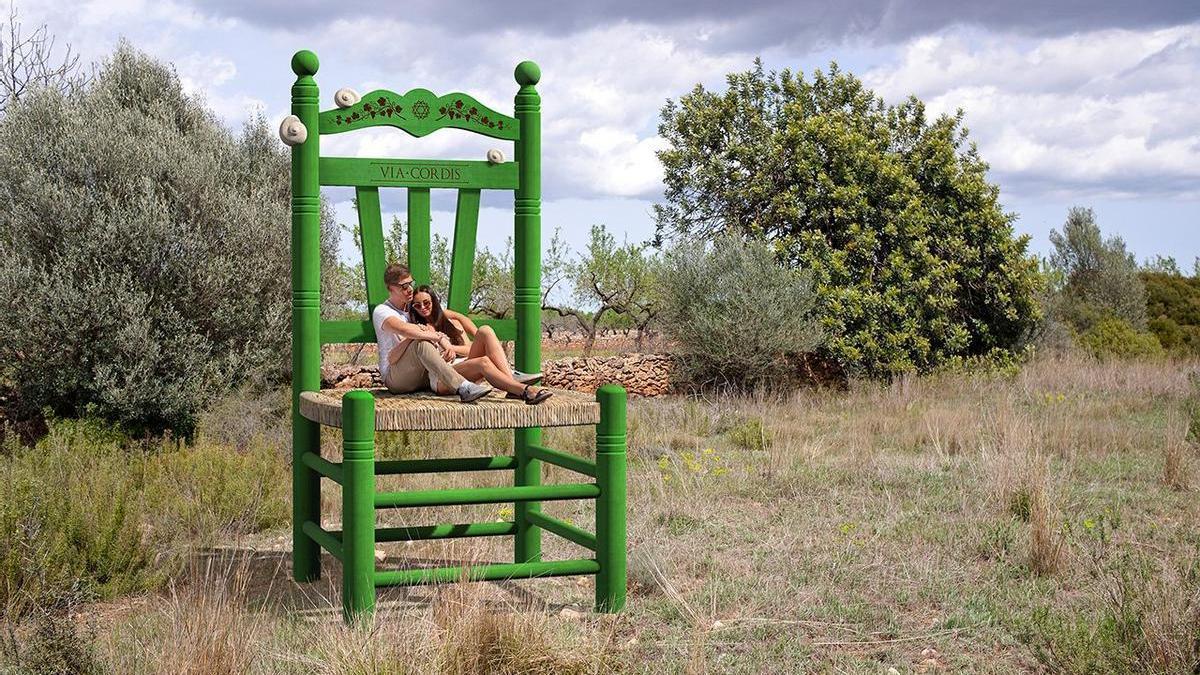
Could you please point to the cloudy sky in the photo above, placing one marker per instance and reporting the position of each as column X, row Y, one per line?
column 1072, row 102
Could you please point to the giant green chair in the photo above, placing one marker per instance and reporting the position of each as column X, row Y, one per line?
column 361, row 414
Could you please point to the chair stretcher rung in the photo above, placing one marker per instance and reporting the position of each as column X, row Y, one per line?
column 323, row 466
column 327, row 540
column 445, row 531
column 495, row 495
column 395, row 466
column 437, row 575
column 563, row 529
column 563, row 459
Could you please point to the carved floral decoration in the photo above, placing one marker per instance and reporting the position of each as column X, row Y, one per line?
column 459, row 111
column 382, row 106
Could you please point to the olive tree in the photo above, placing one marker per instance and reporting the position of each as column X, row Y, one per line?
column 143, row 250
column 1100, row 277
column 735, row 316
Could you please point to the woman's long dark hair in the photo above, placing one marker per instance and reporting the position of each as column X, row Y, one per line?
column 437, row 318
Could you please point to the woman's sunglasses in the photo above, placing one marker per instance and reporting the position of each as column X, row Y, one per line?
column 423, row 304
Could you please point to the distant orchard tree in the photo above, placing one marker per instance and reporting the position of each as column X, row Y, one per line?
column 615, row 279
column 913, row 260
column 143, row 250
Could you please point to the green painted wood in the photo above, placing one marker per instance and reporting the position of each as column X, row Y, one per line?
column 325, row 539
column 418, row 235
column 323, row 466
column 506, row 329
column 420, row 112
column 527, row 273
column 343, row 332
column 446, row 531
column 306, row 316
column 610, row 507
column 423, row 173
column 491, row 495
column 564, row 460
column 358, row 504
column 440, row 464
column 446, row 575
column 351, row 331
column 564, row 529
column 466, row 223
column 370, row 232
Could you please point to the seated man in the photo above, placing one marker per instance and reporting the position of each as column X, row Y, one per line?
column 410, row 357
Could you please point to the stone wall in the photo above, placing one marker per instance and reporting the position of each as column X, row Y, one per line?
column 640, row 374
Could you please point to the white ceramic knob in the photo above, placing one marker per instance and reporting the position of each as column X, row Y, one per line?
column 346, row 97
column 292, row 131
column 495, row 156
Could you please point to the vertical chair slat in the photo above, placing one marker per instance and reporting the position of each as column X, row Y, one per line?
column 418, row 234
column 466, row 223
column 370, row 232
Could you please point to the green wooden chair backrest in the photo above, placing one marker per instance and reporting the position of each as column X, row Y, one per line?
column 419, row 112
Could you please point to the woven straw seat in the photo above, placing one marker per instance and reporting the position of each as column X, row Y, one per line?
column 426, row 411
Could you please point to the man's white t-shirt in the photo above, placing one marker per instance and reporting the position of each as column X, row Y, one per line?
column 385, row 339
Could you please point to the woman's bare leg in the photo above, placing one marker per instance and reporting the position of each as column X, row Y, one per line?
column 487, row 344
column 482, row 368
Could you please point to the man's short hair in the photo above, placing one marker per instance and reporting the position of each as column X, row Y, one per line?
column 395, row 273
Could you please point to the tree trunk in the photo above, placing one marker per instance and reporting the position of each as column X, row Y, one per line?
column 590, row 343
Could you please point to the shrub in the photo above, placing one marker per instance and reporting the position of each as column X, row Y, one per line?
column 1115, row 338
column 71, row 520
column 734, row 315
column 149, row 246
column 83, row 513
column 1173, row 305
column 206, row 490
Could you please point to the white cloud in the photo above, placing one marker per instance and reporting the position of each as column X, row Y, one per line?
column 200, row 73
column 601, row 93
column 1105, row 113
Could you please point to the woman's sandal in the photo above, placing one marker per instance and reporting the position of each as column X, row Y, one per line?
column 537, row 398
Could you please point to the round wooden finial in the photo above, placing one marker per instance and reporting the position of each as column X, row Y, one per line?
column 527, row 72
column 305, row 62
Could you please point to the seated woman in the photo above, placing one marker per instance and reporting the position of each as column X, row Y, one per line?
column 484, row 358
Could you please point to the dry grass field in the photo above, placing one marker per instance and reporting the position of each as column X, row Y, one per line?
column 1045, row 520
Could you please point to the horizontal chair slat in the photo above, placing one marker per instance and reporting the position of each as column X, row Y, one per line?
column 524, row 493
column 323, row 466
column 417, row 173
column 563, row 529
column 438, row 575
column 352, row 331
column 565, row 460
column 326, row 540
column 395, row 466
column 445, row 531
column 343, row 332
column 506, row 329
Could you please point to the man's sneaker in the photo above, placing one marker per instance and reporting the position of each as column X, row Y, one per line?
column 527, row 378
column 469, row 391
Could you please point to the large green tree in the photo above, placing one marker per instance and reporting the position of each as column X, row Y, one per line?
column 914, row 261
